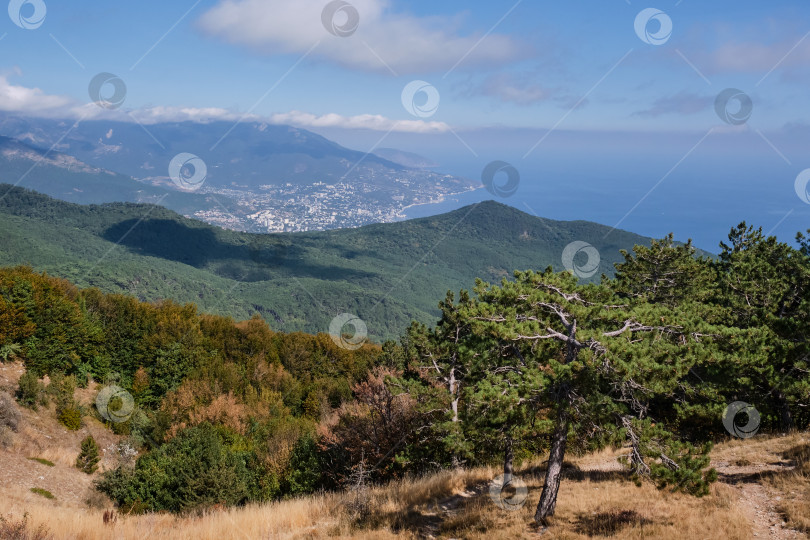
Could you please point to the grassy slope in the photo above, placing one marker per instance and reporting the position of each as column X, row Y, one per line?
column 388, row 274
column 763, row 481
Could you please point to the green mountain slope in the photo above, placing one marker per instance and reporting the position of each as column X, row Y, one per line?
column 387, row 274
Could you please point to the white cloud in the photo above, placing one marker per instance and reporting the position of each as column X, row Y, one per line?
column 364, row 121
column 405, row 43
column 15, row 98
column 154, row 115
column 34, row 102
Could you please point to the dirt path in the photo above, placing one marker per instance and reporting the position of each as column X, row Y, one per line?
column 759, row 505
column 758, row 502
column 445, row 508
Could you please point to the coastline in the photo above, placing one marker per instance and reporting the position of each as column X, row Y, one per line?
column 411, row 211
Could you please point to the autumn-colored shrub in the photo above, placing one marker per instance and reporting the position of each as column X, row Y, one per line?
column 196, row 401
column 374, row 428
column 21, row 529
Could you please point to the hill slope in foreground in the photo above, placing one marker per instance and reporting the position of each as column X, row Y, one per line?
column 386, row 274
column 763, row 492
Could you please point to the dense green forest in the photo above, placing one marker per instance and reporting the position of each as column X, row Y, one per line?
column 226, row 412
column 387, row 274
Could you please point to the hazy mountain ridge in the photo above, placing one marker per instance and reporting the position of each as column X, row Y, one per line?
column 406, row 159
column 264, row 178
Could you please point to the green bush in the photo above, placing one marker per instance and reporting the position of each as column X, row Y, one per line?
column 70, row 417
column 194, row 470
column 30, row 391
column 304, row 471
column 88, row 457
column 61, row 388
column 44, row 492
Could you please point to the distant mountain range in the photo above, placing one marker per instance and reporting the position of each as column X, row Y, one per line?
column 406, row 159
column 65, row 177
column 260, row 177
column 387, row 274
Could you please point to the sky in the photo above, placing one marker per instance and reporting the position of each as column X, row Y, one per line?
column 464, row 82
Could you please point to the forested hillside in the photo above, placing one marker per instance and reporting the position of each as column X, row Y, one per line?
column 387, row 274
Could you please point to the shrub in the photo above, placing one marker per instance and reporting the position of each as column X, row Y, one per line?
column 6, row 437
column 304, row 473
column 70, row 417
column 10, row 350
column 30, row 392
column 43, row 461
column 13, row 529
column 44, row 492
column 194, row 470
column 88, row 457
column 62, row 388
column 9, row 414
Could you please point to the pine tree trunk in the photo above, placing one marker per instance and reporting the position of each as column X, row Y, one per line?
column 453, row 385
column 454, row 394
column 548, row 498
column 785, row 418
column 508, row 459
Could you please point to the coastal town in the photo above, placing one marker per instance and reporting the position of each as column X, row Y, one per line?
column 290, row 207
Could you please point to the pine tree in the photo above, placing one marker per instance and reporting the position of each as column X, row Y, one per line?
column 664, row 273
column 669, row 274
column 30, row 391
column 443, row 360
column 765, row 285
column 602, row 366
column 88, row 456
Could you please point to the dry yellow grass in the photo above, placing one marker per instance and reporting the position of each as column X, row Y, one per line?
column 795, row 486
column 595, row 500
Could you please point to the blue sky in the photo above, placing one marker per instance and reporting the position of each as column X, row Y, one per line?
column 506, row 73
column 532, row 67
